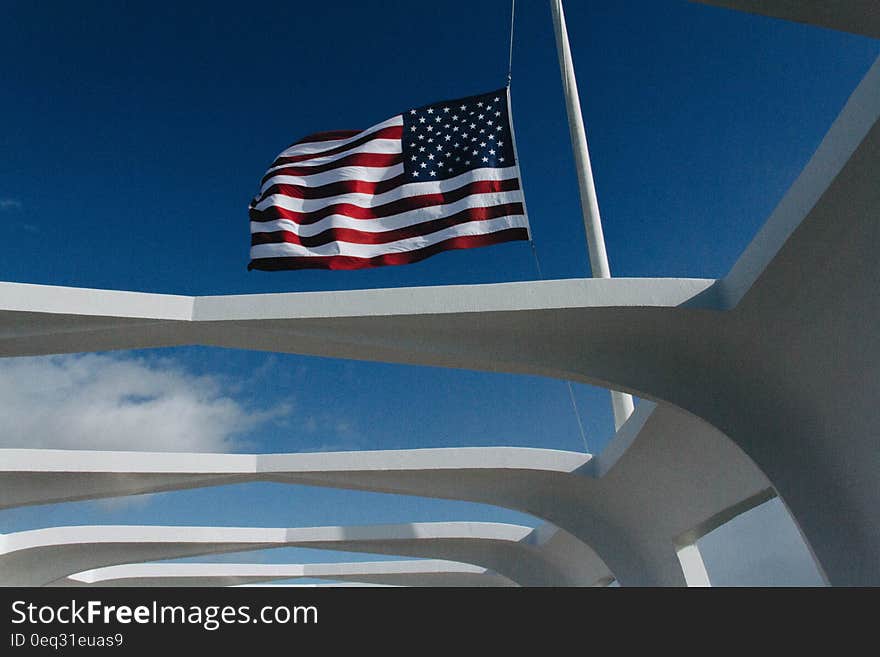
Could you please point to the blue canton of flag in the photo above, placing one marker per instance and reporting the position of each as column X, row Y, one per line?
column 446, row 139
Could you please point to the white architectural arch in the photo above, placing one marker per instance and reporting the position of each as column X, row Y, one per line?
column 529, row 557
column 636, row 505
column 411, row 572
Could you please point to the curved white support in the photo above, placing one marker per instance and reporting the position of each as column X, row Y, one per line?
column 422, row 572
column 635, row 505
column 521, row 554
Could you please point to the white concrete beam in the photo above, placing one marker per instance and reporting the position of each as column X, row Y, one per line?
column 422, row 572
column 528, row 557
column 633, row 505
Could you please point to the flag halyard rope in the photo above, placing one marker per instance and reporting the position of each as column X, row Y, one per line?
column 510, row 54
column 574, row 406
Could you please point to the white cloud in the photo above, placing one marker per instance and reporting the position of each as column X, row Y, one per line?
column 10, row 204
column 334, row 434
column 98, row 401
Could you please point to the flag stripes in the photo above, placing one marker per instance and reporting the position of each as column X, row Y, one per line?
column 302, row 154
column 374, row 236
column 394, row 258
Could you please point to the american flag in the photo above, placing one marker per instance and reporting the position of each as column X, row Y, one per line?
column 437, row 177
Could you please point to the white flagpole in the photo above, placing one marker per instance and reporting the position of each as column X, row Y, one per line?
column 621, row 402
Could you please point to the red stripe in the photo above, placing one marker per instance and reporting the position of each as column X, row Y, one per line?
column 334, row 189
column 404, row 258
column 354, row 236
column 391, row 132
column 388, row 209
column 328, row 135
column 353, row 160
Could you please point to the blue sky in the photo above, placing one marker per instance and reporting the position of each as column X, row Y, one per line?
column 134, row 135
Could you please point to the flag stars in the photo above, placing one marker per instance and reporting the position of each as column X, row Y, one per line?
column 472, row 135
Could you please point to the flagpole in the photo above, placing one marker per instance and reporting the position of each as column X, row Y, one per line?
column 621, row 402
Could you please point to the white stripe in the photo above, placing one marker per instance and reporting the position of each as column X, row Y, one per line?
column 380, row 146
column 308, row 148
column 392, row 222
column 404, row 191
column 367, row 174
column 286, row 250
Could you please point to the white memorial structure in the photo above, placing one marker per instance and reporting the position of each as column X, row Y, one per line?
column 763, row 383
